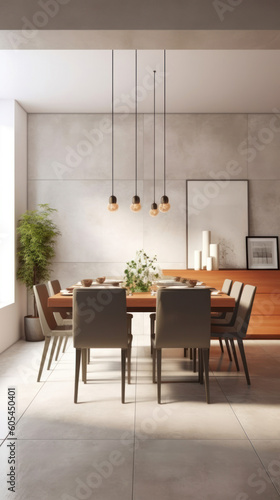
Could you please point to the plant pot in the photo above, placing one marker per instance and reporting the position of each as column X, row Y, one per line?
column 33, row 330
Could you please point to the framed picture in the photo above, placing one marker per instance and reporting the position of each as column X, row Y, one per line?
column 262, row 252
column 219, row 206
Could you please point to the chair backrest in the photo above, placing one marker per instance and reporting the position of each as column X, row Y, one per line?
column 183, row 318
column 99, row 318
column 235, row 292
column 226, row 288
column 46, row 316
column 54, row 288
column 244, row 310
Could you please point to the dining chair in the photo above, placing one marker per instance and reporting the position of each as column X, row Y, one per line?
column 238, row 330
column 49, row 326
column 62, row 318
column 182, row 320
column 226, row 288
column 229, row 317
column 100, row 321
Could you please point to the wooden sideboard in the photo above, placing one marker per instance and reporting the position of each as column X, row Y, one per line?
column 265, row 318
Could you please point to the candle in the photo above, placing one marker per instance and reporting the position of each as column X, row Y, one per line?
column 214, row 252
column 206, row 238
column 197, row 260
column 209, row 265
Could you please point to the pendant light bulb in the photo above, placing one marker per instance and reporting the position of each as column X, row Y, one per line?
column 164, row 204
column 113, row 205
column 154, row 210
column 135, row 205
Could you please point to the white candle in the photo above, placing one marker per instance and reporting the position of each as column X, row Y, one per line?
column 209, row 265
column 214, row 252
column 197, row 260
column 206, row 238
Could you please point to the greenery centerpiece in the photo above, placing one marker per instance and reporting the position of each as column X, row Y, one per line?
column 140, row 273
column 37, row 235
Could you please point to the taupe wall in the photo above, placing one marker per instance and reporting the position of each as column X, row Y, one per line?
column 69, row 167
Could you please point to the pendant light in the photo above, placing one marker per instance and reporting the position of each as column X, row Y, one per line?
column 135, row 205
column 154, row 208
column 164, row 202
column 113, row 205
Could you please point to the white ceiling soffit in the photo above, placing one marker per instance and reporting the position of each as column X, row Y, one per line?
column 198, row 81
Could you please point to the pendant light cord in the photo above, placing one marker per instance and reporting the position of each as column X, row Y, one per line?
column 164, row 128
column 112, row 123
column 136, row 120
column 154, row 136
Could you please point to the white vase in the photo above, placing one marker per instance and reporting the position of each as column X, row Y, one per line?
column 206, row 238
column 214, row 253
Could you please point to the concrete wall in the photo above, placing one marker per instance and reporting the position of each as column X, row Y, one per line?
column 11, row 316
column 69, row 167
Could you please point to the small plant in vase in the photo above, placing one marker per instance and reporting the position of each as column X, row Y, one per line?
column 140, row 273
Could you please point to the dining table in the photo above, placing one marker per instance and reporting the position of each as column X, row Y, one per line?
column 140, row 302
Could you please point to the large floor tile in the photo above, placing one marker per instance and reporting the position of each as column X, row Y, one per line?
column 184, row 413
column 99, row 413
column 256, row 406
column 269, row 453
column 24, row 395
column 208, row 470
column 63, row 470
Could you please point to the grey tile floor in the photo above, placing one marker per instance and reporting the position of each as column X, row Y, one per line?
column 183, row 449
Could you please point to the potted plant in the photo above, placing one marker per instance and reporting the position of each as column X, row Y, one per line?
column 37, row 235
column 140, row 273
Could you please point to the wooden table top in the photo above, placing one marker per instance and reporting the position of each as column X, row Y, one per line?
column 141, row 302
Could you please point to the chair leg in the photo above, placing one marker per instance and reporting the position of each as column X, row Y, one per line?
column 55, row 339
column 194, row 359
column 234, row 354
column 84, row 365
column 159, row 375
column 152, row 329
column 191, row 354
column 205, row 354
column 185, row 352
column 244, row 361
column 124, row 354
column 154, row 365
column 200, row 366
column 221, row 345
column 65, row 344
column 58, row 348
column 77, row 372
column 129, row 364
column 88, row 356
column 228, row 349
column 44, row 354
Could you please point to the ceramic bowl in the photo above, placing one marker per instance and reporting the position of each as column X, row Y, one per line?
column 101, row 280
column 192, row 283
column 86, row 282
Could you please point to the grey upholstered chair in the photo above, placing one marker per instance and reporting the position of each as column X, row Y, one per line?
column 226, row 288
column 238, row 330
column 48, row 324
column 100, row 321
column 229, row 317
column 182, row 320
column 62, row 318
